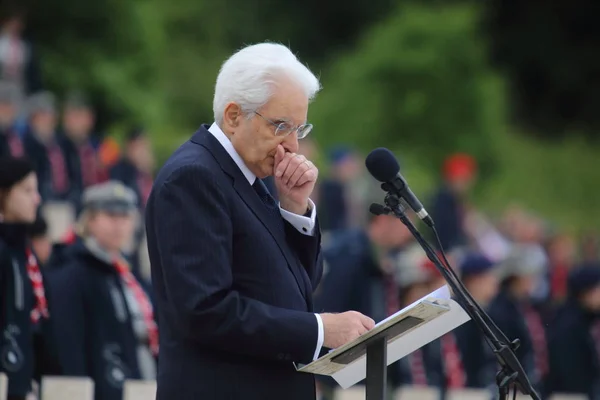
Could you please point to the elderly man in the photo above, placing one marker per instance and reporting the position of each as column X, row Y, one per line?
column 233, row 270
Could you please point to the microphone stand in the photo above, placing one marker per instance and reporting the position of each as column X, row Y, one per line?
column 511, row 372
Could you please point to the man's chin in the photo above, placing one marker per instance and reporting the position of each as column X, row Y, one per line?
column 268, row 167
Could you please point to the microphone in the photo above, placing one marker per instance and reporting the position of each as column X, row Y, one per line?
column 378, row 209
column 384, row 167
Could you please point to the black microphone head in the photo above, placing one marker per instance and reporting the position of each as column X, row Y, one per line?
column 382, row 164
column 377, row 209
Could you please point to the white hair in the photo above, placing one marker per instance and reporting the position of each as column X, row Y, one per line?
column 248, row 77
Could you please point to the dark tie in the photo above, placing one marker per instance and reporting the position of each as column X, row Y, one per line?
column 268, row 201
column 265, row 196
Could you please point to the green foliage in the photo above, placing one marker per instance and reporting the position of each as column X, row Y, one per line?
column 559, row 180
column 417, row 82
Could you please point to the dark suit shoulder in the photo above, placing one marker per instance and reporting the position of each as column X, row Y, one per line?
column 189, row 159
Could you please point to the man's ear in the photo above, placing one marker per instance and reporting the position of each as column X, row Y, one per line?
column 231, row 117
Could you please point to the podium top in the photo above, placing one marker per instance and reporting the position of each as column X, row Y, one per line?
column 406, row 331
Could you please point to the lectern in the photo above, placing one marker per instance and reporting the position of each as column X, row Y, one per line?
column 393, row 338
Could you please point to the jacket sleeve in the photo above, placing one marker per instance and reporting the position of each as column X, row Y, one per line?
column 67, row 310
column 308, row 250
column 190, row 227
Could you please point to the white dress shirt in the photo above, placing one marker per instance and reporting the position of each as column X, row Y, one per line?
column 305, row 225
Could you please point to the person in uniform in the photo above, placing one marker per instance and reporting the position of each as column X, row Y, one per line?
column 517, row 315
column 25, row 334
column 479, row 276
column 104, row 317
column 575, row 336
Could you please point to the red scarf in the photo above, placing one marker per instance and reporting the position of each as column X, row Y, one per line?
column 92, row 172
column 417, row 368
column 455, row 374
column 35, row 276
column 392, row 302
column 15, row 144
column 538, row 339
column 558, row 280
column 143, row 303
column 58, row 169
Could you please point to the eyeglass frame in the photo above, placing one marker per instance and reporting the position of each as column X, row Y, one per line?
column 291, row 129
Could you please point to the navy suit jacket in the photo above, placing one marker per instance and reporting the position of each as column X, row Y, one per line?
column 233, row 294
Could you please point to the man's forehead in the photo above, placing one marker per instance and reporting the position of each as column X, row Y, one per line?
column 285, row 112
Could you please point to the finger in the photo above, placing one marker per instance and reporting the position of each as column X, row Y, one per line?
column 283, row 164
column 309, row 176
column 294, row 163
column 362, row 330
column 300, row 171
column 279, row 153
column 367, row 322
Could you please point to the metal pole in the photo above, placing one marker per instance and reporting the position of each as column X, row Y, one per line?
column 377, row 369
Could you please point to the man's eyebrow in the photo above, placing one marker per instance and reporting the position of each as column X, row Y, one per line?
column 286, row 120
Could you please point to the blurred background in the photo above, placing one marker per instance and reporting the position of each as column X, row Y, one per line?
column 490, row 106
column 511, row 83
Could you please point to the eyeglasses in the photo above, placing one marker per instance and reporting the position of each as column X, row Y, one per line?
column 284, row 129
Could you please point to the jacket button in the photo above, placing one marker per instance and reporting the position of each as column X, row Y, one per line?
column 280, row 356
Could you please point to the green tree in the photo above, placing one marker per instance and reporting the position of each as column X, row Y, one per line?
column 418, row 82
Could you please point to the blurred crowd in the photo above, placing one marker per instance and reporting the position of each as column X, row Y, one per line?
column 76, row 299
column 538, row 283
column 74, row 275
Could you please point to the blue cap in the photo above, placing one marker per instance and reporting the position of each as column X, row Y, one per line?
column 475, row 263
column 339, row 153
column 584, row 278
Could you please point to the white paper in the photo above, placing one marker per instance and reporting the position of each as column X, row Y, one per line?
column 441, row 315
column 405, row 345
column 442, row 293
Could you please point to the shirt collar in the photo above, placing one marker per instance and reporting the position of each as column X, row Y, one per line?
column 228, row 146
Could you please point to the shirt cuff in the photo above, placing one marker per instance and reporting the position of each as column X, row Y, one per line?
column 305, row 225
column 320, row 337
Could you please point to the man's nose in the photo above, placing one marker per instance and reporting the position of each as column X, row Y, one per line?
column 290, row 143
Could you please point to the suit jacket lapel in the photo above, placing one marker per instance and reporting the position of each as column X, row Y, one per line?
column 249, row 196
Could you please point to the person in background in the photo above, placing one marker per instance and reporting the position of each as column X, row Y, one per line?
column 336, row 201
column 105, row 319
column 590, row 245
column 479, row 276
column 135, row 170
column 40, row 242
column 423, row 366
column 59, row 254
column 78, row 121
column 438, row 364
column 10, row 141
column 109, row 152
column 18, row 63
column 46, row 150
column 575, row 336
column 515, row 314
column 359, row 274
column 561, row 250
column 25, row 339
column 449, row 206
